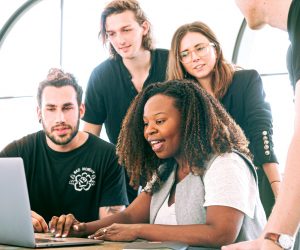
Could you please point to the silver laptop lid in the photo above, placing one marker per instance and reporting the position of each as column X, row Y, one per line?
column 15, row 213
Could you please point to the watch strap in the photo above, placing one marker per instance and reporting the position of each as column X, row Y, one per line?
column 282, row 240
column 273, row 237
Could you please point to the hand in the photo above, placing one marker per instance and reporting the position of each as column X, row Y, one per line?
column 117, row 232
column 38, row 222
column 66, row 225
column 269, row 245
column 245, row 245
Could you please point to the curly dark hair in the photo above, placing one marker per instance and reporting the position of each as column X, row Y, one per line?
column 206, row 130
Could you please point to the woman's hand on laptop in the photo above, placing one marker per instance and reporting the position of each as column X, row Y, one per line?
column 66, row 225
column 38, row 222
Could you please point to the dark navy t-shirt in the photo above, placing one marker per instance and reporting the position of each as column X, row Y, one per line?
column 293, row 55
column 78, row 182
column 110, row 91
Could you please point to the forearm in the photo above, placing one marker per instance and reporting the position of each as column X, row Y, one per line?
column 285, row 216
column 193, row 235
column 286, row 213
column 107, row 211
column 131, row 215
column 272, row 172
column 122, row 218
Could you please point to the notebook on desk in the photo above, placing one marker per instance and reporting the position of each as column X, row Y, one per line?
column 15, row 213
column 166, row 245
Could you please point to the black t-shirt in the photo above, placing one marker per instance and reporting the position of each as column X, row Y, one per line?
column 293, row 55
column 110, row 91
column 78, row 182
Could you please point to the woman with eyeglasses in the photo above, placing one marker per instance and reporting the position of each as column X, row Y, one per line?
column 196, row 54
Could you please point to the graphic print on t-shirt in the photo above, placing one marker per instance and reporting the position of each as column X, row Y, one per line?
column 83, row 179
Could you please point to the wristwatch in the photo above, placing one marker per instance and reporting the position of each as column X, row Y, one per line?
column 285, row 241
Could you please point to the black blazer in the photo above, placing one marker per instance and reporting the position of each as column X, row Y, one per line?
column 245, row 102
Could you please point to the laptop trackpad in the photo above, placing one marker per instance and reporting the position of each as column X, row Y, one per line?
column 47, row 239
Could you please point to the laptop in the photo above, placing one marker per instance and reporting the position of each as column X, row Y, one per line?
column 15, row 213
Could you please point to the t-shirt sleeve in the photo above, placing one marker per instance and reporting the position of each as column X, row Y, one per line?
column 95, row 111
column 230, row 182
column 293, row 56
column 10, row 150
column 114, row 187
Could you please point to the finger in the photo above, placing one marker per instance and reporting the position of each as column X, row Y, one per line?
column 80, row 227
column 99, row 233
column 37, row 226
column 60, row 225
column 53, row 224
column 102, row 237
column 39, row 223
column 70, row 220
column 45, row 226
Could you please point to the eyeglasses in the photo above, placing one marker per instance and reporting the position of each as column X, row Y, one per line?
column 201, row 50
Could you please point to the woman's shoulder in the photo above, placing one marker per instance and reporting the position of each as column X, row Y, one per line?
column 243, row 78
column 227, row 161
column 245, row 73
column 230, row 156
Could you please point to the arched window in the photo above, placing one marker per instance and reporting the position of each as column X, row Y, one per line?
column 64, row 33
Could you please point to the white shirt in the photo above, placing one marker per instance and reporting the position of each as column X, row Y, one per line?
column 166, row 215
column 229, row 182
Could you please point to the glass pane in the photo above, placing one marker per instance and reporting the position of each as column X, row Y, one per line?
column 18, row 119
column 82, row 49
column 30, row 49
column 265, row 50
column 7, row 8
column 280, row 96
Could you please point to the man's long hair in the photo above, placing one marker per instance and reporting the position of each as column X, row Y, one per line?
column 117, row 7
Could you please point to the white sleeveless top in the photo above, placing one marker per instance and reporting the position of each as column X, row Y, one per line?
column 166, row 215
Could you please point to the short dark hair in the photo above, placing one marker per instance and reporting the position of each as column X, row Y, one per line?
column 117, row 7
column 206, row 129
column 58, row 78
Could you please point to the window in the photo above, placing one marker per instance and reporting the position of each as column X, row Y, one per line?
column 265, row 51
column 29, row 50
column 35, row 44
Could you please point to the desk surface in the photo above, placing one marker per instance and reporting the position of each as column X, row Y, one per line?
column 104, row 246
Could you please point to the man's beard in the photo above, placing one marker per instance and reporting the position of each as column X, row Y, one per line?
column 62, row 140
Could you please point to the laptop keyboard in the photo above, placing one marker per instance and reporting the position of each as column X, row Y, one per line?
column 43, row 240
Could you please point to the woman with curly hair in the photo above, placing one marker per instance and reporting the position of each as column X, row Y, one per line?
column 201, row 186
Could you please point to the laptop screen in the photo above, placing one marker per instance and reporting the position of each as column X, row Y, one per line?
column 15, row 213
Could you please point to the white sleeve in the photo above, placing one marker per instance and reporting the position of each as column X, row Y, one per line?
column 230, row 182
